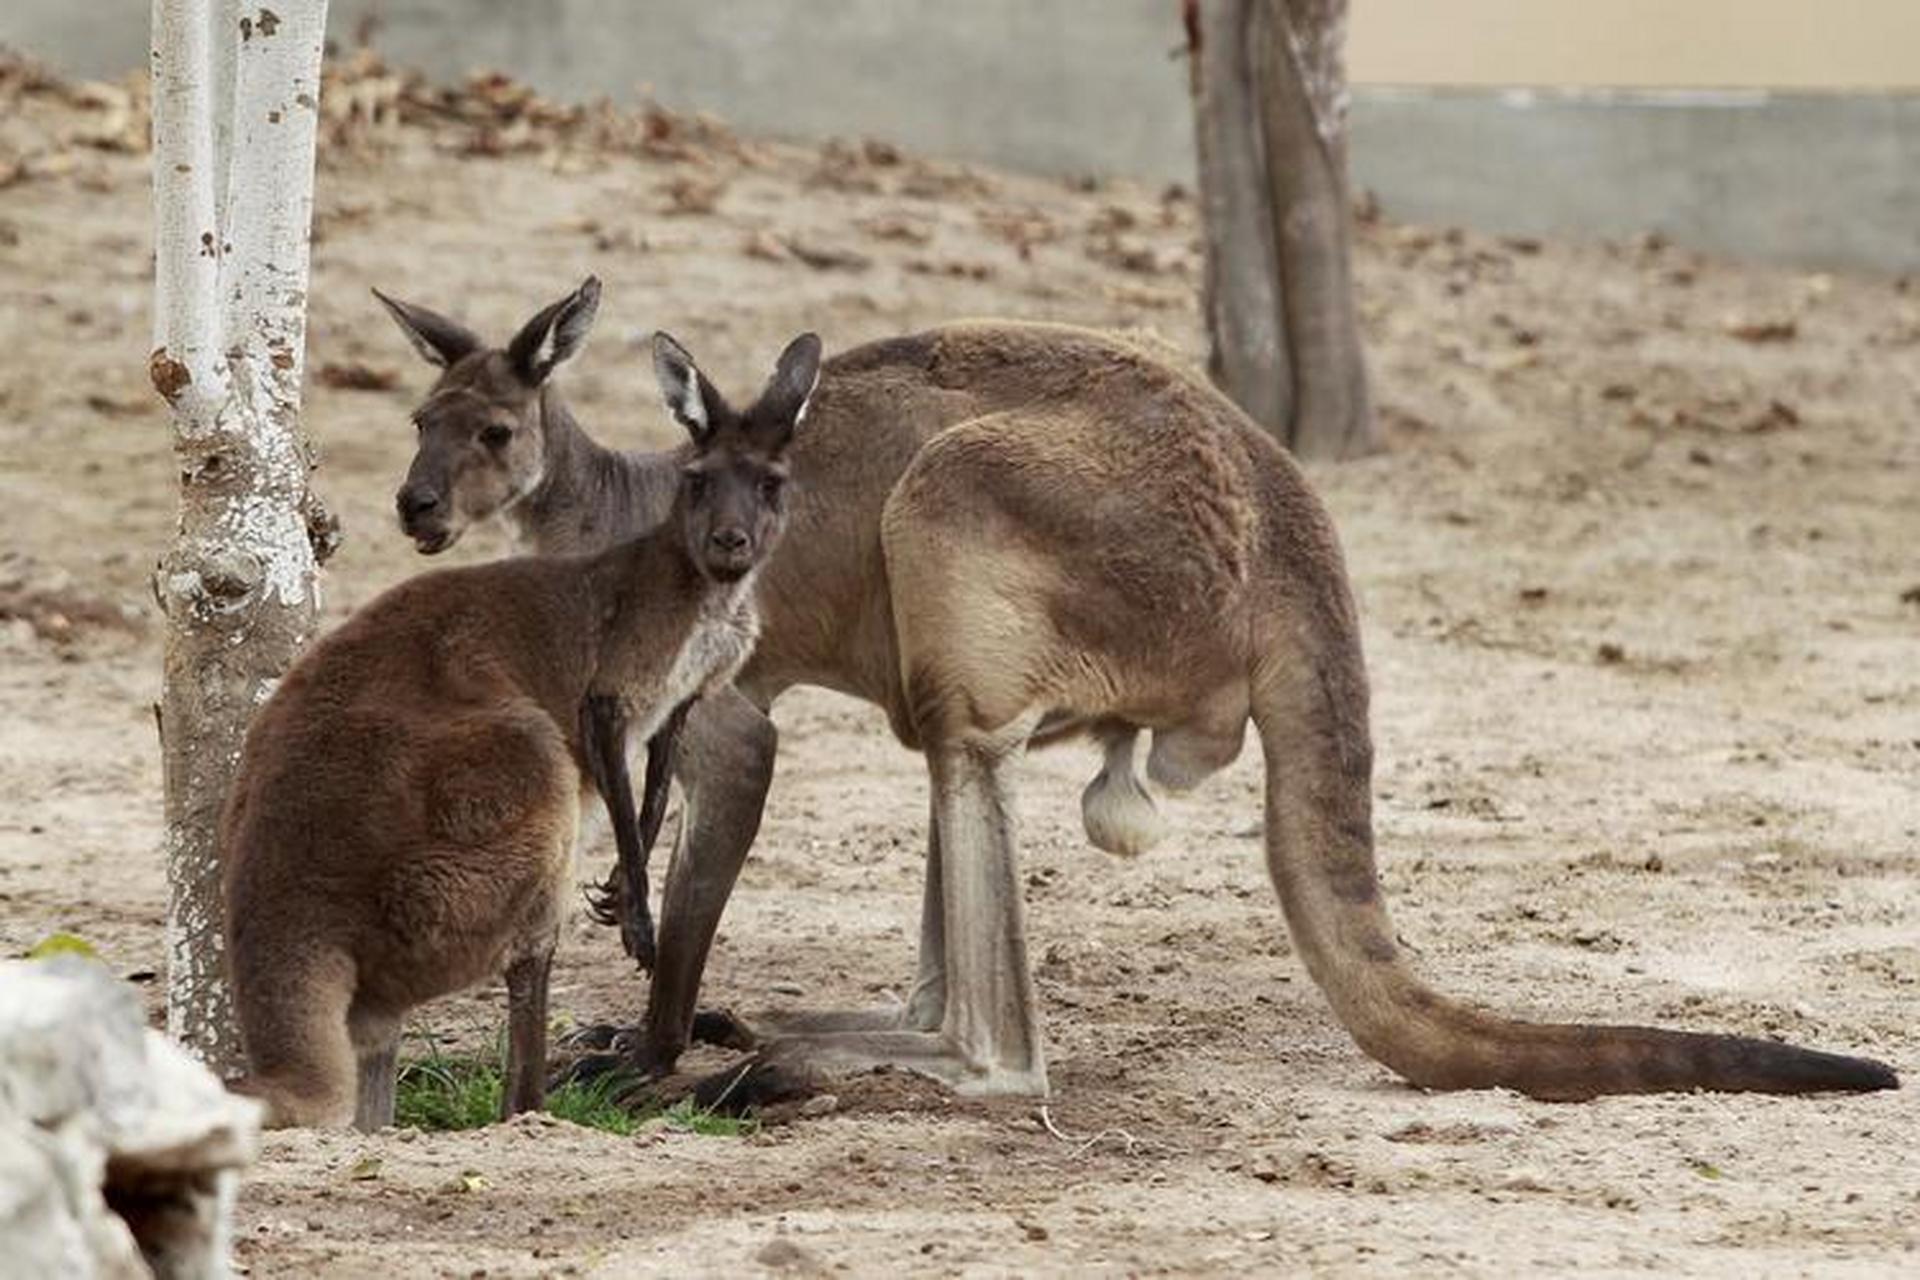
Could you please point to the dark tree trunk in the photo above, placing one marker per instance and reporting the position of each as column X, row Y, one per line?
column 1269, row 93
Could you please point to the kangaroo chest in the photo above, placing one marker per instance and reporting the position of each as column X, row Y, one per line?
column 718, row 645
column 713, row 644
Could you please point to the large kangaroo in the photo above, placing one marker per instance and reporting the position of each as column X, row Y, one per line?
column 403, row 822
column 1015, row 533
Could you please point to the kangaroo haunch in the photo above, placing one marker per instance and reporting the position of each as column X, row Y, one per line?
column 403, row 822
column 1018, row 533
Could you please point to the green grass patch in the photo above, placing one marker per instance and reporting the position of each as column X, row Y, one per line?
column 444, row 1092
column 708, row 1124
column 62, row 944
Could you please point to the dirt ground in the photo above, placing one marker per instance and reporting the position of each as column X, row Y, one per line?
column 1643, row 613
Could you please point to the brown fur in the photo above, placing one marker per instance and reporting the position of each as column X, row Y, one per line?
column 1011, row 533
column 403, row 821
column 1098, row 538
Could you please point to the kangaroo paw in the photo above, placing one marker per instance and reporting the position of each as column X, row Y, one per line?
column 636, row 931
column 603, row 899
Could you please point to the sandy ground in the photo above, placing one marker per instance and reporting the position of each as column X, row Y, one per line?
column 1647, row 710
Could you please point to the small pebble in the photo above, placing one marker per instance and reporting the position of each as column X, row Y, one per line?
column 782, row 1254
column 1523, row 1180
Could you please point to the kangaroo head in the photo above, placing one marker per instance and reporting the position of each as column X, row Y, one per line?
column 732, row 500
column 482, row 427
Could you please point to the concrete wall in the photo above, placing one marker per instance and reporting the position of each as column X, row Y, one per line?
column 1829, row 180
column 1778, row 44
column 1076, row 86
column 1699, row 44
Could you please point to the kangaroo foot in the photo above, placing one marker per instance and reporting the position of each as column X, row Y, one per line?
column 721, row 1027
column 781, row 1024
column 752, row 1085
column 601, row 1049
column 710, row 1026
column 594, row 1037
column 820, row 1058
column 590, row 1069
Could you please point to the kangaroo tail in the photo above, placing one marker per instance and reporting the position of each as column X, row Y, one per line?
column 1310, row 707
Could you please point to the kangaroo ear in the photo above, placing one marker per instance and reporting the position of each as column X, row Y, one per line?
column 690, row 398
column 795, row 374
column 554, row 334
column 438, row 340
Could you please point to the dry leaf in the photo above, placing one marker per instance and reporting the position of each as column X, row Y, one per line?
column 1773, row 329
column 889, row 227
column 765, row 246
column 827, row 257
column 354, row 376
column 692, row 193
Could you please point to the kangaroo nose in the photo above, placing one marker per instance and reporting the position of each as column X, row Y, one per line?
column 730, row 540
column 417, row 501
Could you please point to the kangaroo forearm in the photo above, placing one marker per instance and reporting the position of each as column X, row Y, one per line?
column 603, row 733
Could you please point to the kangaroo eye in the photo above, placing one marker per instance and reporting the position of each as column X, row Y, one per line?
column 495, row 436
column 696, row 485
column 770, row 486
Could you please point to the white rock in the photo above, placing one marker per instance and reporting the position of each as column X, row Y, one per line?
column 88, row 1094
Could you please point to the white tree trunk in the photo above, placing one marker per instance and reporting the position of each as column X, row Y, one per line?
column 235, row 107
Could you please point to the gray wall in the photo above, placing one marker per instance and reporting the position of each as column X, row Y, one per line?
column 1830, row 180
column 1079, row 86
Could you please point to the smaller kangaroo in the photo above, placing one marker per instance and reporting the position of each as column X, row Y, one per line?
column 496, row 440
column 404, row 818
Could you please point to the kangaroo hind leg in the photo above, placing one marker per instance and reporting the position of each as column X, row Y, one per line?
column 293, row 1019
column 377, row 1046
column 526, row 1085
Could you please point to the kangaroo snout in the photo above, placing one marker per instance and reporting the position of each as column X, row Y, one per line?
column 423, row 517
column 415, row 501
column 729, row 554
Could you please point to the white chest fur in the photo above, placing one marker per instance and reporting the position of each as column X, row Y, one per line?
column 717, row 646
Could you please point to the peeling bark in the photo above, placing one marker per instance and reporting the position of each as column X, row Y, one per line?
column 1269, row 91
column 234, row 124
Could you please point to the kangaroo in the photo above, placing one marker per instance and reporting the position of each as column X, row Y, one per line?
column 1021, row 533
column 403, row 822
column 496, row 440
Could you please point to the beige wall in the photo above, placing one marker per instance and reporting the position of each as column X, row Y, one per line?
column 1830, row 44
